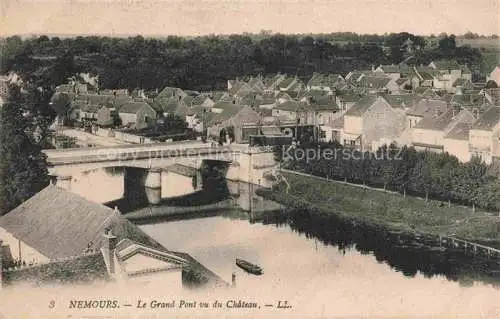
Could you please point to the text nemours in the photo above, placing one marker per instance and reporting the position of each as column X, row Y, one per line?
column 179, row 304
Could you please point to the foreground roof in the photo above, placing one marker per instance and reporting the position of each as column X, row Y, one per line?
column 59, row 224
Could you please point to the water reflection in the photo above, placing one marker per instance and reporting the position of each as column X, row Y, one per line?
column 403, row 252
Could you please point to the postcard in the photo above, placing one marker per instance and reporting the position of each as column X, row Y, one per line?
column 249, row 159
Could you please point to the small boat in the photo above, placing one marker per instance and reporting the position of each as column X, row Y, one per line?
column 248, row 267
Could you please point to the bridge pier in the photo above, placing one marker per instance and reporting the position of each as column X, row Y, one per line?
column 152, row 183
column 64, row 182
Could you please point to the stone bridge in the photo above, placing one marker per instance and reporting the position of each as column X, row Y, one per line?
column 245, row 163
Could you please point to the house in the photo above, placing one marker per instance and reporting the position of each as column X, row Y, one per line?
column 321, row 82
column 456, row 142
column 422, row 77
column 429, row 133
column 346, row 99
column 61, row 236
column 257, row 84
column 171, row 92
column 423, row 109
column 197, row 118
column 379, row 83
column 219, row 96
column 114, row 92
column 202, row 100
column 271, row 83
column 298, row 112
column 448, row 72
column 324, row 108
column 292, row 85
column 354, row 76
column 474, row 101
column 368, row 122
column 235, row 116
column 240, row 89
column 85, row 106
column 494, row 75
column 107, row 115
column 220, row 106
column 138, row 115
column 483, row 135
column 402, row 101
column 395, row 72
column 173, row 106
column 466, row 73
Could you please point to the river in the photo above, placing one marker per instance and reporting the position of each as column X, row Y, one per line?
column 324, row 267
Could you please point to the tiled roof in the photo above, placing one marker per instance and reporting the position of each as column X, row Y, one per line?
column 323, row 103
column 427, row 107
column 58, row 223
column 361, row 106
column 391, row 68
column 231, row 110
column 376, row 82
column 459, row 132
column 132, row 107
column 488, row 120
column 286, row 82
column 172, row 105
column 236, row 86
column 403, row 100
column 348, row 96
column 169, row 92
column 438, row 121
column 329, row 80
column 468, row 99
column 199, row 100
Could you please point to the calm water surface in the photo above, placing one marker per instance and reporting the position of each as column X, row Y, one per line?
column 323, row 268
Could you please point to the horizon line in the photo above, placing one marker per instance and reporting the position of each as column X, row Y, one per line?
column 261, row 33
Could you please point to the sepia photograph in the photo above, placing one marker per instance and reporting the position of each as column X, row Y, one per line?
column 249, row 159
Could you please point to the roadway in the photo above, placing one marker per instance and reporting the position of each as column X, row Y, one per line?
column 84, row 139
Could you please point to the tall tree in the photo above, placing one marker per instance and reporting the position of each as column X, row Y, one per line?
column 23, row 167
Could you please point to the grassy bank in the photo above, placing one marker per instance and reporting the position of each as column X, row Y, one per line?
column 390, row 210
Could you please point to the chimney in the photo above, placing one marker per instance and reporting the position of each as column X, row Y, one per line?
column 110, row 242
column 233, row 280
column 64, row 182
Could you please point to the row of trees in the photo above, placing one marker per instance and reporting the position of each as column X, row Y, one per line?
column 432, row 175
column 206, row 62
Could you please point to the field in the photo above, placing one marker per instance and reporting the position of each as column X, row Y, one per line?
column 393, row 210
column 489, row 44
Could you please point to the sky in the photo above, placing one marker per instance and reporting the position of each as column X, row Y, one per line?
column 199, row 17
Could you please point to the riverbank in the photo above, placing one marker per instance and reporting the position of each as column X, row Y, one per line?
column 391, row 210
column 165, row 212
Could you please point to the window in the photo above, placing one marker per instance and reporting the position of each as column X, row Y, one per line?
column 322, row 134
column 353, row 142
